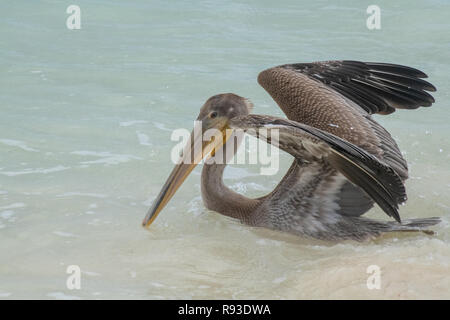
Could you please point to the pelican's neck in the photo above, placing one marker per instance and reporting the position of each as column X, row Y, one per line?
column 218, row 197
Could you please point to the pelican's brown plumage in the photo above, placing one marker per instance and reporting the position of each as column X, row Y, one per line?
column 344, row 160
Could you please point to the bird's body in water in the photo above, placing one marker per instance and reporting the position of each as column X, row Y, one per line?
column 344, row 161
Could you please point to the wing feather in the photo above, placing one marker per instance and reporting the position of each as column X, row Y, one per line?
column 383, row 86
column 377, row 179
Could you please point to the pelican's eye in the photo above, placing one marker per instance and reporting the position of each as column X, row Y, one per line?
column 213, row 114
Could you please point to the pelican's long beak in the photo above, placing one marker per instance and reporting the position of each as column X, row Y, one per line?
column 193, row 153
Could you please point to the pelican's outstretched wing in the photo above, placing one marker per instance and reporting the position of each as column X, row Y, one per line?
column 339, row 97
column 307, row 143
column 375, row 87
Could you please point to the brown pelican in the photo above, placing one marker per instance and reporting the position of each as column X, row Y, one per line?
column 344, row 160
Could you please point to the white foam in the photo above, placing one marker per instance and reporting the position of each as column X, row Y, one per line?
column 37, row 170
column 157, row 284
column 91, row 273
column 279, row 280
column 148, row 202
column 204, row 286
column 237, row 173
column 131, row 122
column 161, row 126
column 18, row 144
column 14, row 205
column 62, row 296
column 106, row 158
column 64, row 234
column 7, row 214
column 143, row 139
column 83, row 194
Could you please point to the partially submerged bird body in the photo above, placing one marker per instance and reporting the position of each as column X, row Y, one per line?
column 344, row 160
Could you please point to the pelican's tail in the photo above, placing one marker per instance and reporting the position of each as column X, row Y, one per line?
column 361, row 229
column 415, row 225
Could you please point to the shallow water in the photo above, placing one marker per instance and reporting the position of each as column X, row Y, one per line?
column 85, row 125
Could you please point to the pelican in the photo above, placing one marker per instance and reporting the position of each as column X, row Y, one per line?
column 344, row 161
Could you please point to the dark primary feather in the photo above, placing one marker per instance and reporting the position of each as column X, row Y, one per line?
column 375, row 87
column 379, row 181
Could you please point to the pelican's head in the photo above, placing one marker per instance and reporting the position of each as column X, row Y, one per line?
column 223, row 107
column 209, row 135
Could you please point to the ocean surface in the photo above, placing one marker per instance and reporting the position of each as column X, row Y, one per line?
column 86, row 118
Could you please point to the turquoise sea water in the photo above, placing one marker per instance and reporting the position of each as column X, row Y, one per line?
column 85, row 123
